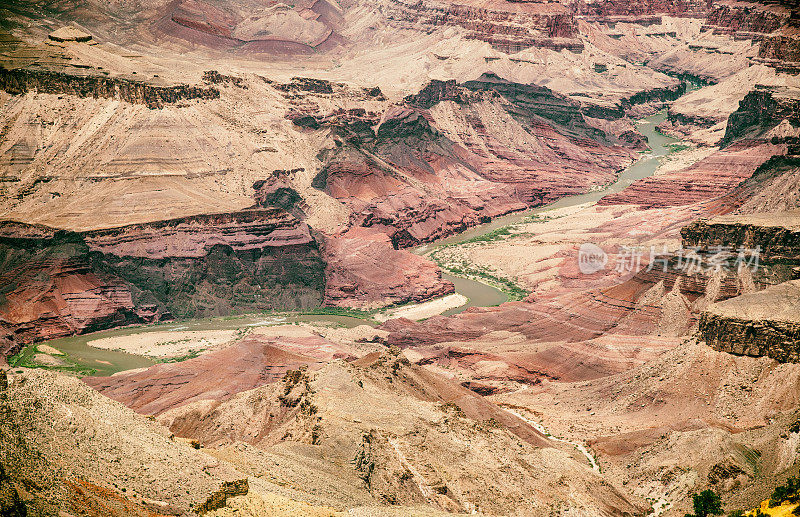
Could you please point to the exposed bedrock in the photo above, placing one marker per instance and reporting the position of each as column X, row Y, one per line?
column 528, row 101
column 49, row 288
column 631, row 8
column 193, row 237
column 219, row 375
column 429, row 172
column 777, row 235
column 578, row 334
column 762, row 110
column 282, row 29
column 773, row 187
column 21, row 80
column 782, row 50
column 57, row 283
column 363, row 270
column 762, row 324
column 507, row 26
column 704, row 180
column 737, row 16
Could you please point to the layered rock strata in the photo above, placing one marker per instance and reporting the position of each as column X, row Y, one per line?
column 442, row 163
column 704, row 180
column 363, row 270
column 21, row 80
column 762, row 324
column 507, row 26
column 56, row 283
column 777, row 235
column 761, row 110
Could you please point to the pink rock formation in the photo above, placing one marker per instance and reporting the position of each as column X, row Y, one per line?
column 363, row 270
column 707, row 179
column 508, row 25
column 194, row 236
column 216, row 376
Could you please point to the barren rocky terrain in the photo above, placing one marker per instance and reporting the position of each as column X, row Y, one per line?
column 398, row 258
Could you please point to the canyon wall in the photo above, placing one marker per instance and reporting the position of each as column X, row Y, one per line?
column 507, row 26
column 776, row 241
column 57, row 283
column 763, row 323
column 21, row 80
column 443, row 161
column 761, row 110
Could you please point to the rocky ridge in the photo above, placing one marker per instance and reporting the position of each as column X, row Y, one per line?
column 144, row 273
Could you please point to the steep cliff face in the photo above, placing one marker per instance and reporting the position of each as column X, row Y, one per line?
column 425, row 173
column 737, row 16
column 775, row 25
column 781, row 47
column 763, row 324
column 628, row 8
column 49, row 288
column 58, row 283
column 761, row 110
column 193, row 237
column 507, row 26
column 21, row 80
column 777, row 235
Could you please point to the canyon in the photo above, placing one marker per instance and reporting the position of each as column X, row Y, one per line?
column 398, row 258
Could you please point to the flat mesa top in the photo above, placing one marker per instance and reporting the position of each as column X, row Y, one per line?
column 789, row 219
column 69, row 33
column 777, row 303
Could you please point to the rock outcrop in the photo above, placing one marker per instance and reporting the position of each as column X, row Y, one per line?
column 507, row 26
column 776, row 235
column 704, row 180
column 17, row 81
column 193, row 237
column 57, row 283
column 760, row 111
column 69, row 33
column 363, row 270
column 636, row 11
column 425, row 173
column 762, row 324
column 297, row 29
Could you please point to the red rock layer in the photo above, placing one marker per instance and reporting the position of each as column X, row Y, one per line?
column 705, row 180
column 760, row 110
column 58, row 283
column 201, row 22
column 508, row 26
column 363, row 270
column 629, row 8
column 574, row 332
column 194, row 236
column 60, row 296
column 418, row 182
column 215, row 376
column 738, row 16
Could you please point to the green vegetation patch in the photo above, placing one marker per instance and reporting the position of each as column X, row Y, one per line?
column 25, row 359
